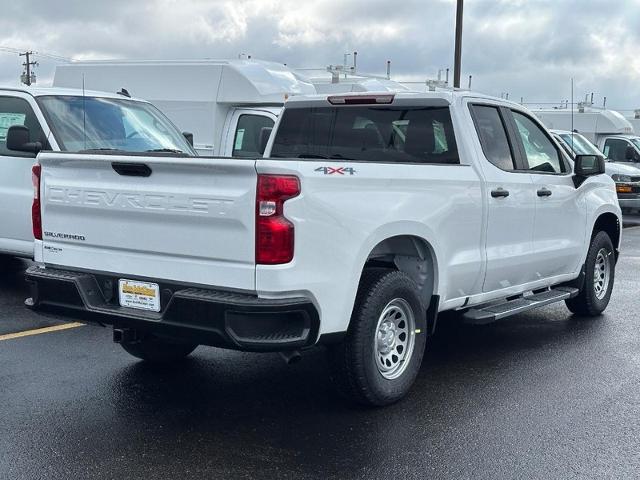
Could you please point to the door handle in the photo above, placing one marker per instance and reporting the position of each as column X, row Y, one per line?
column 131, row 169
column 544, row 192
column 500, row 193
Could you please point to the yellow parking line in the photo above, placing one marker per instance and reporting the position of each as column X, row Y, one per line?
column 38, row 331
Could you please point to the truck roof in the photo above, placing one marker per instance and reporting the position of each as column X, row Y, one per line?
column 623, row 135
column 67, row 92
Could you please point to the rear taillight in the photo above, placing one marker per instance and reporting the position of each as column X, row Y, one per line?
column 274, row 233
column 36, row 217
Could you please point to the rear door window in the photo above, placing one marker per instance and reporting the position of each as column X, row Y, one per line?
column 366, row 133
column 493, row 137
column 246, row 142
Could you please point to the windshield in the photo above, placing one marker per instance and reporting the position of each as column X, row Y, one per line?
column 93, row 123
column 382, row 134
column 636, row 142
column 581, row 146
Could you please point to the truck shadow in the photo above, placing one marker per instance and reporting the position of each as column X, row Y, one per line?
column 275, row 418
column 12, row 274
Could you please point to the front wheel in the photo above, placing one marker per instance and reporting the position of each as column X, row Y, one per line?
column 158, row 350
column 379, row 359
column 598, row 284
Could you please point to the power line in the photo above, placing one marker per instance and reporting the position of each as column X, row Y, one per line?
column 52, row 56
column 10, row 50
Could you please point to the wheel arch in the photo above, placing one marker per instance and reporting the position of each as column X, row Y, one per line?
column 610, row 223
column 411, row 254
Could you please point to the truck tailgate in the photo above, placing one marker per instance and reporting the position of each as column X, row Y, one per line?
column 179, row 219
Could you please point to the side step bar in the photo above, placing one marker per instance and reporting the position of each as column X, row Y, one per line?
column 497, row 311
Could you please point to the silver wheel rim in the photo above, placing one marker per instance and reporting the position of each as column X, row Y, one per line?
column 394, row 338
column 601, row 274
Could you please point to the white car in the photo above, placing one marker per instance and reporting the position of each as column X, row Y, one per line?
column 34, row 119
column 368, row 215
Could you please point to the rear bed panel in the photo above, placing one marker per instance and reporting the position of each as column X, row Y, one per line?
column 191, row 220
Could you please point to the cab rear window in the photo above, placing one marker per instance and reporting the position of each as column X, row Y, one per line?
column 368, row 133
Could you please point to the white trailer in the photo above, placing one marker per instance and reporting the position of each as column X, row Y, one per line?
column 224, row 103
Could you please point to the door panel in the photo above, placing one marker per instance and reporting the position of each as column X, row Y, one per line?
column 510, row 258
column 16, row 189
column 509, row 236
column 560, row 220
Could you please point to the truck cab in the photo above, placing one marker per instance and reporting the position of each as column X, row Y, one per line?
column 54, row 119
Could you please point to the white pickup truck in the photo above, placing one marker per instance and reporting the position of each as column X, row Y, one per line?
column 367, row 216
column 34, row 119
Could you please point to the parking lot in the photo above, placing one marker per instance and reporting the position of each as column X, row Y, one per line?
column 543, row 395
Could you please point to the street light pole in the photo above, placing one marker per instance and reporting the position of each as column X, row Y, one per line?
column 457, row 61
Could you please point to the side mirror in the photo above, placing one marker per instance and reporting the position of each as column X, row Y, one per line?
column 587, row 166
column 265, row 133
column 188, row 137
column 18, row 140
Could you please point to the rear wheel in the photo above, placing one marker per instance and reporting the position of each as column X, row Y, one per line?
column 158, row 350
column 380, row 358
column 598, row 285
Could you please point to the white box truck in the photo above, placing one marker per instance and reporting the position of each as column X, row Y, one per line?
column 224, row 103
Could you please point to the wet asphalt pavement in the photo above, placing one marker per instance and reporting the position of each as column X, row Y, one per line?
column 542, row 395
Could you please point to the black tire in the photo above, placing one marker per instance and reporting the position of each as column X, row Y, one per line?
column 157, row 350
column 354, row 362
column 587, row 303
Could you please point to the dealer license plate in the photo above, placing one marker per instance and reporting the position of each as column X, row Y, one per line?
column 140, row 295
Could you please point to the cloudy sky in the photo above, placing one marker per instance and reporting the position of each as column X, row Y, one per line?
column 529, row 48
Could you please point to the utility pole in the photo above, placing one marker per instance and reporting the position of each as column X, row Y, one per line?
column 28, row 77
column 457, row 61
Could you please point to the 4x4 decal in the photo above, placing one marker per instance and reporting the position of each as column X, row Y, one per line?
column 336, row 170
